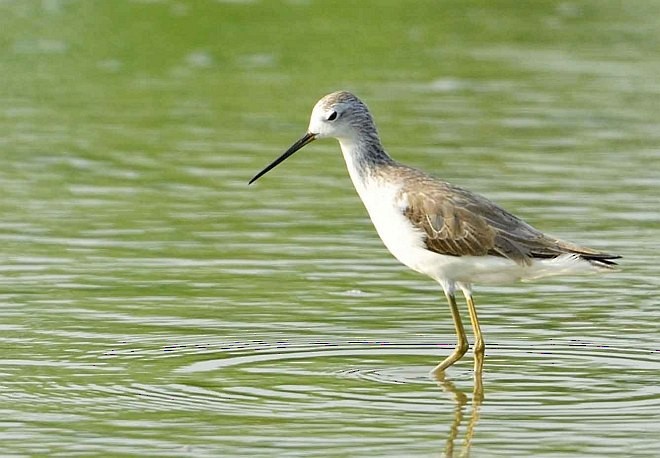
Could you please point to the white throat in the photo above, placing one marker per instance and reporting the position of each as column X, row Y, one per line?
column 350, row 149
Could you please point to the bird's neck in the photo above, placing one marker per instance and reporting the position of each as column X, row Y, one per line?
column 364, row 157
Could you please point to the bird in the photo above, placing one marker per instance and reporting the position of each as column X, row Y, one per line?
column 452, row 235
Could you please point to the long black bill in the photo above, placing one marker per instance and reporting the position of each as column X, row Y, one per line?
column 307, row 138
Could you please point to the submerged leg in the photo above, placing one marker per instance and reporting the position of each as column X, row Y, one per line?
column 461, row 340
column 479, row 346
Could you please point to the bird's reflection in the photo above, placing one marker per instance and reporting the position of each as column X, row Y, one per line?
column 461, row 400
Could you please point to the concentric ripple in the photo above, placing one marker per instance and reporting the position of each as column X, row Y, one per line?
column 566, row 354
column 515, row 376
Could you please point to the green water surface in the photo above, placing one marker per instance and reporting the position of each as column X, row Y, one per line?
column 152, row 303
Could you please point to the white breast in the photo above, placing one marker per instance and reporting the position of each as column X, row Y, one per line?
column 386, row 205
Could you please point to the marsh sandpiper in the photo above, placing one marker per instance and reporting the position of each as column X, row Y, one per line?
column 446, row 232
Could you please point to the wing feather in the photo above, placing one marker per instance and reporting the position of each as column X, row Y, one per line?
column 457, row 222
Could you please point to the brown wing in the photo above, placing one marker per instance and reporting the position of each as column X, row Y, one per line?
column 458, row 222
column 450, row 229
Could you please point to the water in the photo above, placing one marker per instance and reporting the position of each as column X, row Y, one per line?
column 153, row 304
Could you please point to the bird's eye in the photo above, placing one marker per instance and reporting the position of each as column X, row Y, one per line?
column 332, row 116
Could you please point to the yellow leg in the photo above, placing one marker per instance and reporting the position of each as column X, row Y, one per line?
column 479, row 346
column 478, row 392
column 461, row 343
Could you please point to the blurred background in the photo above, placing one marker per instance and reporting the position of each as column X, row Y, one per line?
column 154, row 304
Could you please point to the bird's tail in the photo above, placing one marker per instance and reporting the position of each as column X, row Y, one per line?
column 597, row 259
column 601, row 260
